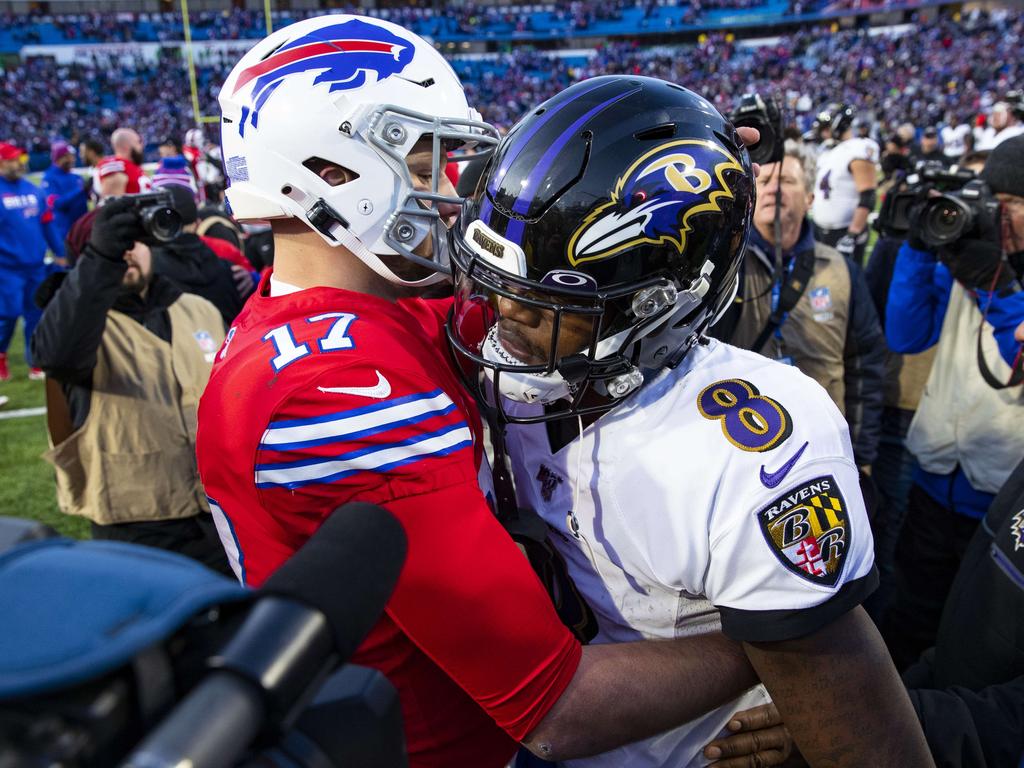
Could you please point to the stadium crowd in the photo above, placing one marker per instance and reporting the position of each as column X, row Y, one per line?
column 916, row 345
column 945, row 73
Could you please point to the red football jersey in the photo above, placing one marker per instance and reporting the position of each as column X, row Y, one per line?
column 138, row 181
column 326, row 396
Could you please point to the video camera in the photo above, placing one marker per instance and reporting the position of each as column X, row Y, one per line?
column 764, row 115
column 116, row 654
column 926, row 178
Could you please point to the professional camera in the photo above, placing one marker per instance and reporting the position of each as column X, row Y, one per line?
column 953, row 216
column 928, row 176
column 765, row 115
column 159, row 218
column 120, row 655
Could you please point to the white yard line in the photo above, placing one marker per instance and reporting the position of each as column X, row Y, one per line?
column 22, row 413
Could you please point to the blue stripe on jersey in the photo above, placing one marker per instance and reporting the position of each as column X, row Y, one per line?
column 358, row 434
column 384, row 404
column 292, row 476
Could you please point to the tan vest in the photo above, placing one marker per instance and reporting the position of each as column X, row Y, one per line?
column 961, row 419
column 814, row 334
column 905, row 377
column 134, row 457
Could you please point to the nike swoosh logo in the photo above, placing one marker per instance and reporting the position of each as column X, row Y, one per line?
column 378, row 391
column 772, row 479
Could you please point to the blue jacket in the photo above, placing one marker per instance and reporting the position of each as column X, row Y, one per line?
column 916, row 308
column 24, row 231
column 66, row 196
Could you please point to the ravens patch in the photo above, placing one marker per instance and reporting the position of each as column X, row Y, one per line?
column 808, row 530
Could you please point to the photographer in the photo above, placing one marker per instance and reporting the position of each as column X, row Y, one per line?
column 131, row 354
column 967, row 434
column 831, row 332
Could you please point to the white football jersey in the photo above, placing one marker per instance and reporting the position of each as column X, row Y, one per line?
column 723, row 494
column 835, row 194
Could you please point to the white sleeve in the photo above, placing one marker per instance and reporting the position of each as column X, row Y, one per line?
column 796, row 558
column 865, row 149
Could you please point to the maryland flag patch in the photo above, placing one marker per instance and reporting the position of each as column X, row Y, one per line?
column 808, row 530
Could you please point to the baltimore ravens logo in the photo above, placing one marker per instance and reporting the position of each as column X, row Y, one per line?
column 347, row 53
column 654, row 200
column 808, row 530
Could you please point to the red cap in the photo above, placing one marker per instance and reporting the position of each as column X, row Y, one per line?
column 9, row 151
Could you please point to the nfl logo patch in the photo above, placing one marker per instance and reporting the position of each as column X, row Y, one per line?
column 205, row 341
column 821, row 299
column 808, row 530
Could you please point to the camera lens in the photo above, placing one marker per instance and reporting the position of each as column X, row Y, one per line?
column 162, row 223
column 944, row 221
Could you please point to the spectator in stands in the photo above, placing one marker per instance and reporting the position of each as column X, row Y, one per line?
column 67, row 195
column 26, row 229
column 816, row 315
column 131, row 354
column 966, row 434
column 190, row 263
column 122, row 174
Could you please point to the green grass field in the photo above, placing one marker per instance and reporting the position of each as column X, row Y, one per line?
column 26, row 481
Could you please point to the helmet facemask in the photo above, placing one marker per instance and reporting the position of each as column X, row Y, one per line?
column 576, row 350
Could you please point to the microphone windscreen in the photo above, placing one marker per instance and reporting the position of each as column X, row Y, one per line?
column 347, row 570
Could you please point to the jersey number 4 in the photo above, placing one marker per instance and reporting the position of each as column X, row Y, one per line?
column 824, row 186
column 288, row 351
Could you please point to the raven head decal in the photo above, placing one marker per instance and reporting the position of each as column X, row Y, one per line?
column 347, row 53
column 654, row 200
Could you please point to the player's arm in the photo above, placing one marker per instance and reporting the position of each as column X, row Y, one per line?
column 113, row 181
column 865, row 180
column 623, row 692
column 841, row 697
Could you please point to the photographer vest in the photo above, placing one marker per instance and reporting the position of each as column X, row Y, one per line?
column 961, row 419
column 814, row 333
column 133, row 459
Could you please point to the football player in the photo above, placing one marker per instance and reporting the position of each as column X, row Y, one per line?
column 844, row 193
column 690, row 486
column 335, row 384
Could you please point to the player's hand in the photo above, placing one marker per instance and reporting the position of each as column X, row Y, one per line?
column 750, row 137
column 243, row 280
column 115, row 229
column 849, row 243
column 760, row 739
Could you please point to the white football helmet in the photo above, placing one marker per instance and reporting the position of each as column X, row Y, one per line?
column 356, row 92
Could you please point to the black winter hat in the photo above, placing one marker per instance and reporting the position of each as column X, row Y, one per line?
column 1004, row 169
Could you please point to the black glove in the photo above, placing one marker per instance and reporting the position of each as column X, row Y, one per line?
column 115, row 229
column 849, row 243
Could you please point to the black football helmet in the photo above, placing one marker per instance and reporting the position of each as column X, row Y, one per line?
column 841, row 118
column 604, row 237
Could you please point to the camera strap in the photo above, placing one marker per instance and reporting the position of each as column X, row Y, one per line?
column 786, row 292
column 1016, row 370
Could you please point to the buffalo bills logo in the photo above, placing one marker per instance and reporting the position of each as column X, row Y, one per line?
column 654, row 200
column 347, row 53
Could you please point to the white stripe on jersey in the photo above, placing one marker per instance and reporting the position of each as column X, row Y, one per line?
column 374, row 459
column 228, row 540
column 346, row 425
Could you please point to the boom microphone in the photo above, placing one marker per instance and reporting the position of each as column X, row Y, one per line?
column 312, row 614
